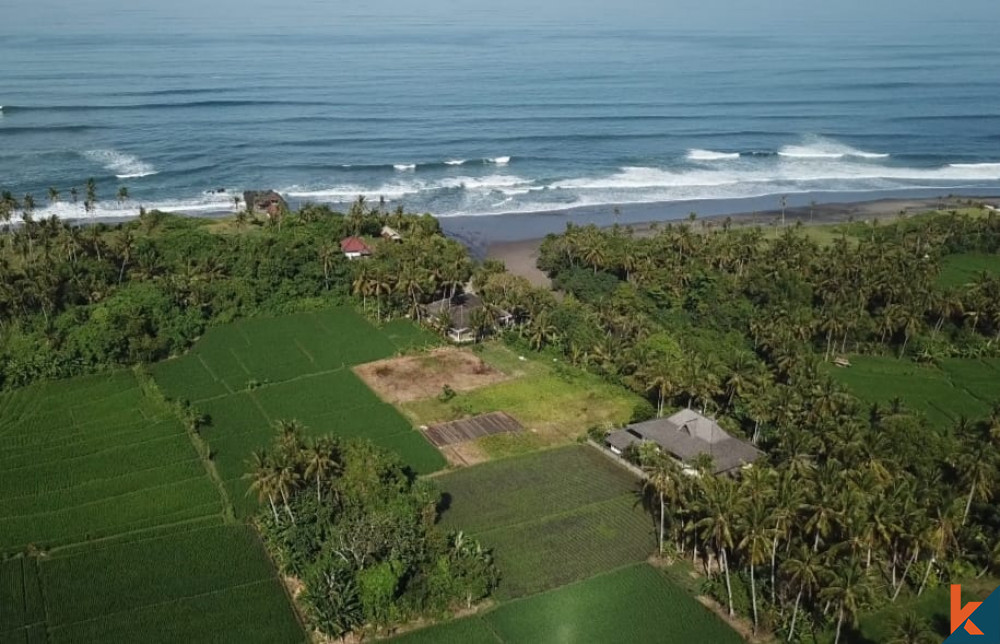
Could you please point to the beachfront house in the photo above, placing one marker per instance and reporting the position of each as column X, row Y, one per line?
column 460, row 316
column 354, row 248
column 391, row 234
column 264, row 202
column 686, row 435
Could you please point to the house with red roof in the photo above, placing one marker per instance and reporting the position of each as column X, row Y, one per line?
column 354, row 248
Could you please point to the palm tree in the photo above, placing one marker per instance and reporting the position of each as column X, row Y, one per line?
column 720, row 508
column 263, row 479
column 848, row 587
column 53, row 194
column 320, row 462
column 122, row 195
column 28, row 204
column 911, row 628
column 803, row 572
column 756, row 541
column 73, row 194
column 327, row 252
column 91, row 191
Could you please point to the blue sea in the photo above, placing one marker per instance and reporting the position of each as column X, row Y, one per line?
column 483, row 117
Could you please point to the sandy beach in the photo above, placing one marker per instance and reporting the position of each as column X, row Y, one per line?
column 521, row 255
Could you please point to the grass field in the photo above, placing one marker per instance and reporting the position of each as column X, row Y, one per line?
column 958, row 387
column 247, row 375
column 91, row 457
column 961, row 269
column 551, row 517
column 555, row 402
column 633, row 604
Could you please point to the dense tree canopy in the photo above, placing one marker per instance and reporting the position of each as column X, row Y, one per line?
column 358, row 530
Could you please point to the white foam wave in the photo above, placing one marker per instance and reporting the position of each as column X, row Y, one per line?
column 206, row 203
column 405, row 167
column 455, row 162
column 123, row 165
column 499, row 160
column 816, row 147
column 696, row 154
column 976, row 166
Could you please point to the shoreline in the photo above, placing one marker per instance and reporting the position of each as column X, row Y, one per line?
column 521, row 255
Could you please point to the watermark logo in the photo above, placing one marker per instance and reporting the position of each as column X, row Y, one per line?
column 974, row 621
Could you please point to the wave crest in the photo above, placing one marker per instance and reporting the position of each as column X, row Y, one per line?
column 696, row 154
column 123, row 165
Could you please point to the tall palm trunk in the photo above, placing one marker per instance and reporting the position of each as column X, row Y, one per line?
column 774, row 556
column 729, row 587
column 906, row 571
column 274, row 508
column 840, row 622
column 319, row 495
column 968, row 501
column 795, row 614
column 927, row 573
column 662, row 506
column 753, row 595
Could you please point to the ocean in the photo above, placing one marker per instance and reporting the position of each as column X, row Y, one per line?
column 478, row 118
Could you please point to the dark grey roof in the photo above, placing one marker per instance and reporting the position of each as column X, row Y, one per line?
column 459, row 310
column 687, row 434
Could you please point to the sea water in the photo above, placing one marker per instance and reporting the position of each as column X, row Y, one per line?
column 485, row 117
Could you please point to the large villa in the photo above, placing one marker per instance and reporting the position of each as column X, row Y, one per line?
column 687, row 435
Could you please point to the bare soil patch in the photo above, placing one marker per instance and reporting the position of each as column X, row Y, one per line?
column 464, row 454
column 408, row 378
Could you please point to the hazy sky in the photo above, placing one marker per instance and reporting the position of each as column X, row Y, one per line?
column 178, row 16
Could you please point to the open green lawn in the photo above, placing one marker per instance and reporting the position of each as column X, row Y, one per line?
column 961, row 269
column 555, row 402
column 959, row 387
column 91, row 457
column 247, row 375
column 632, row 604
column 551, row 517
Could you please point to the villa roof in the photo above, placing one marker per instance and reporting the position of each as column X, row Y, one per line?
column 687, row 434
column 354, row 245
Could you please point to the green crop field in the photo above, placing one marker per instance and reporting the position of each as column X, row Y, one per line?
column 211, row 583
column 100, row 475
column 91, row 457
column 633, row 604
column 960, row 387
column 957, row 270
column 551, row 517
column 247, row 375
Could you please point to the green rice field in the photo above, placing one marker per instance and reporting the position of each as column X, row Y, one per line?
column 212, row 583
column 247, row 375
column 112, row 529
column 632, row 604
column 964, row 268
column 551, row 518
column 91, row 457
column 956, row 388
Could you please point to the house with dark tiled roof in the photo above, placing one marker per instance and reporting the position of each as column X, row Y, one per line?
column 685, row 436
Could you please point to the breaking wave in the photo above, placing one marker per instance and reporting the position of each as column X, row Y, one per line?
column 122, row 165
column 710, row 155
column 816, row 147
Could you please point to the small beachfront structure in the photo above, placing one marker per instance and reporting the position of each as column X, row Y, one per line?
column 686, row 435
column 460, row 311
column 354, row 248
column 391, row 234
column 265, row 202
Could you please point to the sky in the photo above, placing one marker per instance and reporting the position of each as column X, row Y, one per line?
column 262, row 16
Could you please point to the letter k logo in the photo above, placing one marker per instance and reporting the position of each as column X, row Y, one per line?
column 961, row 613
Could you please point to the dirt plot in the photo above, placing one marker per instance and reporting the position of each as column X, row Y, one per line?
column 410, row 378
